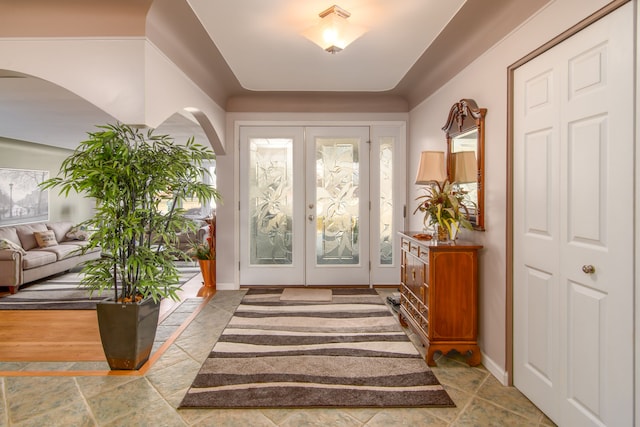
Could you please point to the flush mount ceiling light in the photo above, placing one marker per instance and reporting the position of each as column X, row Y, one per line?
column 333, row 33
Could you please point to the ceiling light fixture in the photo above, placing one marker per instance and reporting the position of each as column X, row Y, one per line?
column 333, row 33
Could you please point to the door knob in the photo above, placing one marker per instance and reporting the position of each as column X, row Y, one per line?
column 588, row 269
column 310, row 217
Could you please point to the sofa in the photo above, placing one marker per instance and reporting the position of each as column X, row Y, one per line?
column 30, row 252
column 188, row 239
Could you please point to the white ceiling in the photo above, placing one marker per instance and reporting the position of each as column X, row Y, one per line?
column 263, row 42
column 263, row 45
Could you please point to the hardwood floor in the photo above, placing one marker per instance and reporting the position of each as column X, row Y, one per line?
column 49, row 336
column 63, row 335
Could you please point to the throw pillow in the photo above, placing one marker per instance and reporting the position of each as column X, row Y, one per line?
column 79, row 232
column 45, row 238
column 8, row 244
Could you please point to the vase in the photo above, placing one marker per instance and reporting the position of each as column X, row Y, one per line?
column 208, row 269
column 453, row 231
column 441, row 234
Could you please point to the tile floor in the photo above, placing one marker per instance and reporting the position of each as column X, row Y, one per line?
column 151, row 400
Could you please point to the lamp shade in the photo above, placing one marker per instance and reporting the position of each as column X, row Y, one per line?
column 464, row 167
column 431, row 167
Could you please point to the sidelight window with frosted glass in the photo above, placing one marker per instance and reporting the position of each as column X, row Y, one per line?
column 386, row 201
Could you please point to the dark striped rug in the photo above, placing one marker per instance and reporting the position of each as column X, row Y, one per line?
column 62, row 292
column 350, row 352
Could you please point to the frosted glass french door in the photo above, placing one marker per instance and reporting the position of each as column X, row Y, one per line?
column 337, row 205
column 271, row 221
column 304, row 201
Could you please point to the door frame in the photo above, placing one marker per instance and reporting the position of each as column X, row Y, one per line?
column 613, row 5
column 394, row 126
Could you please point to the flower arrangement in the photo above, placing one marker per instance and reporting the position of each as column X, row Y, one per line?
column 443, row 205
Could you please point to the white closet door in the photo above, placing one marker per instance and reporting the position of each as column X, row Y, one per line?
column 573, row 215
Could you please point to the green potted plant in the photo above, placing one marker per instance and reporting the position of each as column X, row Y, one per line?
column 205, row 253
column 130, row 173
column 443, row 208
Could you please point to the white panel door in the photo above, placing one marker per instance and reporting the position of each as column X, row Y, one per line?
column 573, row 209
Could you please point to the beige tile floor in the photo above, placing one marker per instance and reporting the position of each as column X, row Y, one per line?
column 151, row 400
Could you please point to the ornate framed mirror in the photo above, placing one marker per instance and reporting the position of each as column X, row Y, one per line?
column 465, row 155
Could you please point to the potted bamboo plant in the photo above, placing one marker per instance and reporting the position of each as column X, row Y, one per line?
column 138, row 180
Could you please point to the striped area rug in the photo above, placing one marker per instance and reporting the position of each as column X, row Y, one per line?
column 350, row 352
column 62, row 292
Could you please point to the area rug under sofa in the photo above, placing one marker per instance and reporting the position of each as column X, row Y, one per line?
column 62, row 292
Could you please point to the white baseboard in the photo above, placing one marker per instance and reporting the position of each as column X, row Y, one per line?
column 495, row 369
column 227, row 286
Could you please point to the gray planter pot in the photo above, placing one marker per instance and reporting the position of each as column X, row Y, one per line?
column 127, row 332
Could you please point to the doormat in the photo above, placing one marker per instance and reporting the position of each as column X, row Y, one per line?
column 306, row 294
column 350, row 352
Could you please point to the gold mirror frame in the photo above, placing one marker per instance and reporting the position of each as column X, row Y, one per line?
column 465, row 121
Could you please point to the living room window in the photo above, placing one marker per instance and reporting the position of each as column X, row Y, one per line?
column 192, row 206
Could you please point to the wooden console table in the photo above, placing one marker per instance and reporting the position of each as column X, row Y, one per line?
column 439, row 295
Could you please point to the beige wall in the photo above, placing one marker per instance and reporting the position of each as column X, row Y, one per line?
column 485, row 81
column 26, row 155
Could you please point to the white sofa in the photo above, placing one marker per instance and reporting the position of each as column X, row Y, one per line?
column 33, row 262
